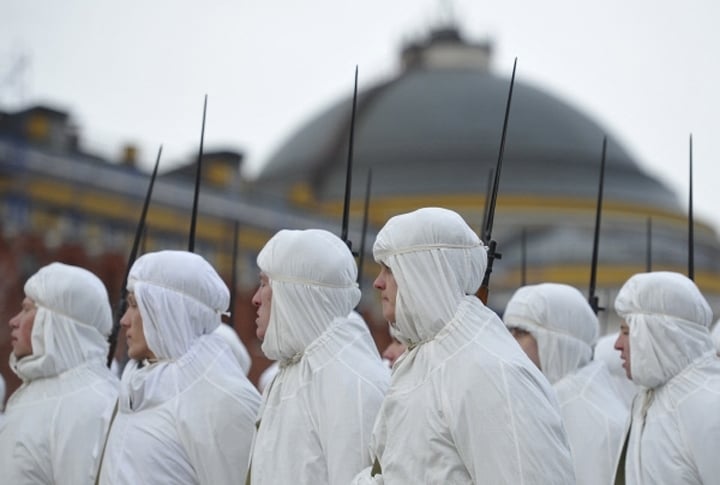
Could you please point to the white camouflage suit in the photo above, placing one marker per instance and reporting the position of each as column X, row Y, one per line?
column 675, row 432
column 317, row 413
column 465, row 404
column 188, row 417
column 56, row 422
column 594, row 413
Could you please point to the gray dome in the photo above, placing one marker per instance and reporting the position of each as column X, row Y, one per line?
column 431, row 137
column 438, row 131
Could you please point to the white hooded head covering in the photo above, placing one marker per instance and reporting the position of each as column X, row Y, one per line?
column 561, row 321
column 436, row 260
column 668, row 320
column 180, row 297
column 72, row 322
column 312, row 275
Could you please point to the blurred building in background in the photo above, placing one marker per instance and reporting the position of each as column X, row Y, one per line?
column 61, row 203
column 430, row 136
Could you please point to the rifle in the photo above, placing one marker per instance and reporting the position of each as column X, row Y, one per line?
column 488, row 194
column 198, row 173
column 361, row 256
column 691, row 234
column 143, row 240
column 592, row 298
column 348, row 174
column 233, row 275
column 648, row 245
column 523, row 257
column 487, row 230
column 122, row 305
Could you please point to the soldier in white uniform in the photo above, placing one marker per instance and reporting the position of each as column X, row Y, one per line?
column 186, row 412
column 317, row 413
column 465, row 404
column 57, row 420
column 558, row 324
column 666, row 348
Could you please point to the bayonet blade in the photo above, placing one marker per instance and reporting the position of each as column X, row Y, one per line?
column 487, row 230
column 198, row 176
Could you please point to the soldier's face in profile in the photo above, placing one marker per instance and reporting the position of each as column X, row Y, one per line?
column 385, row 282
column 132, row 322
column 262, row 300
column 21, row 329
column 527, row 343
column 623, row 345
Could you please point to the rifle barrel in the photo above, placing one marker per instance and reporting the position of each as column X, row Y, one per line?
column 501, row 153
column 648, row 245
column 121, row 307
column 198, row 176
column 233, row 274
column 348, row 174
column 366, row 212
column 487, row 230
column 592, row 298
column 691, row 222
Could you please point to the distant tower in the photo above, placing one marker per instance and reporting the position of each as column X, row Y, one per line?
column 14, row 80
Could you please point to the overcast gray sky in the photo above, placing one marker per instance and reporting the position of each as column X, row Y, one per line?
column 137, row 70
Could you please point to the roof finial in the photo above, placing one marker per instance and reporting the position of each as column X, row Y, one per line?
column 446, row 13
